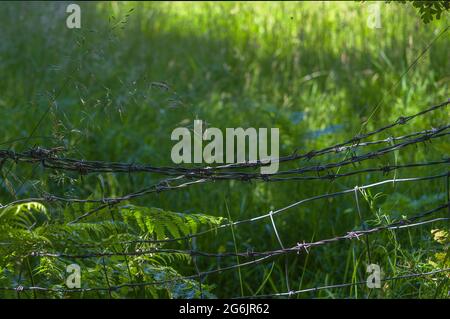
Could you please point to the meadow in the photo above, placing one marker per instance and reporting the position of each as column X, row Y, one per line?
column 116, row 88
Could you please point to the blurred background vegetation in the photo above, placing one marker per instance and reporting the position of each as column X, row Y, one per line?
column 116, row 88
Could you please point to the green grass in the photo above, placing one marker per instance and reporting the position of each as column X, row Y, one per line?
column 315, row 70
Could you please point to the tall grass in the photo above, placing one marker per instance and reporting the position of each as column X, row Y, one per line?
column 315, row 70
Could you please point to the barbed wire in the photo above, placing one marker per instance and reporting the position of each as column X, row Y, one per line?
column 290, row 293
column 272, row 213
column 161, row 186
column 267, row 215
column 301, row 246
column 345, row 285
column 48, row 157
column 349, row 145
column 191, row 176
column 165, row 186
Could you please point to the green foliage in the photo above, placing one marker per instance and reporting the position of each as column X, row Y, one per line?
column 115, row 89
column 23, row 216
column 23, row 238
column 161, row 224
column 441, row 259
column 429, row 10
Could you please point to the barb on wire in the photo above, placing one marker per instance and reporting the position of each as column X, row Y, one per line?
column 164, row 184
column 345, row 285
column 290, row 293
column 49, row 158
column 260, row 217
column 181, row 177
column 299, row 247
column 235, row 266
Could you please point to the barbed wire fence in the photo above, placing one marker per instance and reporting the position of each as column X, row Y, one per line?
column 177, row 177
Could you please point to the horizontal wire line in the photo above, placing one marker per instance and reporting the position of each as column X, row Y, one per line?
column 48, row 156
column 49, row 159
column 164, row 185
column 350, row 236
column 345, row 285
column 260, row 217
column 405, row 223
column 327, row 195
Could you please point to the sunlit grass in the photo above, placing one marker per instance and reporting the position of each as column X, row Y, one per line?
column 315, row 70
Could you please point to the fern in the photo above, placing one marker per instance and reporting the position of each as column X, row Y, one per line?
column 24, row 215
column 28, row 228
column 165, row 224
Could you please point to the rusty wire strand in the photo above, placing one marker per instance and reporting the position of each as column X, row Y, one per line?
column 303, row 246
column 345, row 285
column 164, row 185
column 48, row 157
column 299, row 247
